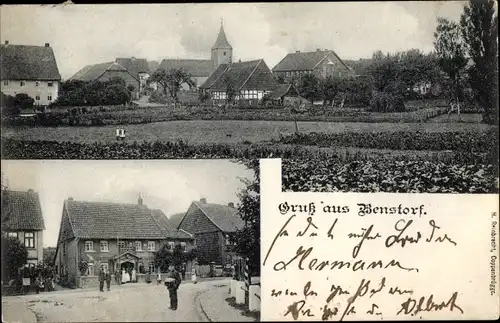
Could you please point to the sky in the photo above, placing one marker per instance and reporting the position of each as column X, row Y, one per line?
column 169, row 185
column 91, row 34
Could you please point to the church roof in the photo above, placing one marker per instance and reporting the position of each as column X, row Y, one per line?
column 221, row 41
column 195, row 67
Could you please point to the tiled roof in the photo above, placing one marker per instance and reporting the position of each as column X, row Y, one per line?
column 134, row 65
column 94, row 220
column 20, row 62
column 153, row 65
column 279, row 91
column 93, row 72
column 221, row 42
column 243, row 75
column 22, row 211
column 170, row 231
column 195, row 67
column 303, row 61
column 223, row 216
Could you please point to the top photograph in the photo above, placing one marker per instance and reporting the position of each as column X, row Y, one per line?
column 407, row 81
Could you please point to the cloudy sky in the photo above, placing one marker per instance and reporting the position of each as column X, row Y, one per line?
column 169, row 185
column 90, row 34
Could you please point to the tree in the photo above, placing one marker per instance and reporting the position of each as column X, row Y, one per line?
column 166, row 257
column 479, row 27
column 14, row 256
column 8, row 106
column 450, row 51
column 231, row 90
column 172, row 81
column 49, row 254
column 23, row 101
column 309, row 87
column 247, row 240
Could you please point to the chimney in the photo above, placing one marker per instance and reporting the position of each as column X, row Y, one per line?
column 230, row 204
column 297, row 51
column 70, row 199
column 139, row 200
column 6, row 42
column 203, row 200
column 47, row 45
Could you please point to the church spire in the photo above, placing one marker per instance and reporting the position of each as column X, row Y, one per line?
column 222, row 42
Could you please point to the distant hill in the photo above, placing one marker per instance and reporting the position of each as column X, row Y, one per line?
column 175, row 219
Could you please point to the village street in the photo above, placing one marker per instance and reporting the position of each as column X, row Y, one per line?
column 200, row 302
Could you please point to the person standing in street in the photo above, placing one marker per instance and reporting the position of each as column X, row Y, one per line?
column 102, row 278
column 134, row 276
column 173, row 281
column 158, row 277
column 108, row 280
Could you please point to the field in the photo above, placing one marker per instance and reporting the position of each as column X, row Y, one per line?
column 222, row 131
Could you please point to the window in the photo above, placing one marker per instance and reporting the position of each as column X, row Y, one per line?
column 183, row 247
column 104, row 246
column 228, row 241
column 37, row 98
column 121, row 244
column 224, row 53
column 29, row 239
column 138, row 246
column 64, row 248
column 50, row 84
column 90, row 269
column 171, row 245
column 22, row 83
column 13, row 234
column 151, row 267
column 49, row 97
column 151, row 246
column 37, row 83
column 6, row 82
column 89, row 246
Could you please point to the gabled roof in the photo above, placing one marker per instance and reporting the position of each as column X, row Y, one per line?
column 221, row 42
column 22, row 211
column 195, row 67
column 134, row 65
column 280, row 91
column 169, row 229
column 223, row 216
column 102, row 220
column 93, row 72
column 306, row 61
column 251, row 74
column 21, row 62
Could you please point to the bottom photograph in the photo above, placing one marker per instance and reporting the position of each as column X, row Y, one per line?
column 157, row 240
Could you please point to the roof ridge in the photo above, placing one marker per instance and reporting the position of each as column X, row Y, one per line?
column 251, row 73
column 324, row 57
column 69, row 218
column 156, row 222
column 208, row 217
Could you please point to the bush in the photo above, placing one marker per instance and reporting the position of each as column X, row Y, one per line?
column 386, row 102
column 323, row 175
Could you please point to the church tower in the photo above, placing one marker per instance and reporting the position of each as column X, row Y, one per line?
column 222, row 52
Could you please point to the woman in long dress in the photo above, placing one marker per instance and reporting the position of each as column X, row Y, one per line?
column 134, row 276
column 193, row 275
column 124, row 279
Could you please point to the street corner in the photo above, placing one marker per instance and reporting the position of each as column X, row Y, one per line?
column 217, row 305
column 17, row 310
